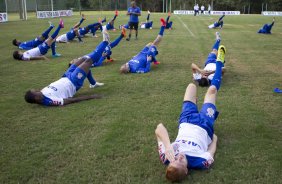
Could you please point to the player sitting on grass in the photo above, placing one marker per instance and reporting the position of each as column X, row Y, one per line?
column 168, row 23
column 61, row 92
column 65, row 38
column 266, row 29
column 141, row 63
column 195, row 144
column 217, row 24
column 39, row 52
column 148, row 24
column 204, row 76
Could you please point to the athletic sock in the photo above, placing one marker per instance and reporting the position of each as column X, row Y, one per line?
column 53, row 48
column 162, row 30
column 114, row 18
column 55, row 34
column 167, row 19
column 216, row 45
column 80, row 22
column 45, row 34
column 216, row 81
column 221, row 18
column 116, row 42
column 148, row 17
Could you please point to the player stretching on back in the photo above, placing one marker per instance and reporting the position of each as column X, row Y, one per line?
column 141, row 63
column 195, row 144
column 37, row 41
column 61, row 92
column 39, row 52
column 204, row 76
column 65, row 38
column 266, row 29
column 148, row 24
column 217, row 24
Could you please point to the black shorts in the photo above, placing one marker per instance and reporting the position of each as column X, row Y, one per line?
column 133, row 25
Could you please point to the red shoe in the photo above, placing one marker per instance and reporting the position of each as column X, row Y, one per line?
column 157, row 63
column 116, row 13
column 61, row 24
column 110, row 60
column 123, row 32
column 163, row 23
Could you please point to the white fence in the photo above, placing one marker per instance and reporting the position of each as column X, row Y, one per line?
column 191, row 12
column 271, row 13
column 50, row 14
column 3, row 17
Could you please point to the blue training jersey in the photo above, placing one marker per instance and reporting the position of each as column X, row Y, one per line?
column 82, row 31
column 71, row 34
column 133, row 18
column 30, row 44
column 139, row 63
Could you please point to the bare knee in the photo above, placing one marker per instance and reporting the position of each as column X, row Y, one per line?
column 212, row 90
column 191, row 85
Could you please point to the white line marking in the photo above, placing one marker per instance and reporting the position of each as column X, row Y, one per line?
column 185, row 26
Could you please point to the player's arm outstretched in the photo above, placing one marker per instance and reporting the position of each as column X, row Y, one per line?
column 162, row 136
column 81, row 98
column 212, row 146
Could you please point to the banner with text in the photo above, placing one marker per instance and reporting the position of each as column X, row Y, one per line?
column 191, row 12
column 50, row 14
column 271, row 13
column 3, row 17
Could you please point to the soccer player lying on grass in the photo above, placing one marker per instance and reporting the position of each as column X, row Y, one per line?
column 168, row 23
column 141, row 63
column 65, row 38
column 195, row 144
column 108, row 50
column 106, row 53
column 266, row 29
column 37, row 41
column 61, row 92
column 204, row 76
column 217, row 24
column 90, row 28
column 39, row 52
column 148, row 24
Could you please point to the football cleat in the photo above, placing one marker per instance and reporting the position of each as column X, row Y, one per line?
column 97, row 84
column 163, row 23
column 61, row 24
column 123, row 32
column 221, row 53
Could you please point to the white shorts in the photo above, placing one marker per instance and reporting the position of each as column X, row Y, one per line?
column 62, row 38
column 211, row 26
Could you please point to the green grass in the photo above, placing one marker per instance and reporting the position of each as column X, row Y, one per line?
column 112, row 140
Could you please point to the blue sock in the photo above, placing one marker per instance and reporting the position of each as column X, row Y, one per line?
column 114, row 18
column 162, row 31
column 216, row 45
column 55, row 34
column 104, row 20
column 53, row 48
column 80, row 22
column 167, row 19
column 216, row 81
column 148, row 17
column 45, row 34
column 221, row 18
column 116, row 42
column 90, row 78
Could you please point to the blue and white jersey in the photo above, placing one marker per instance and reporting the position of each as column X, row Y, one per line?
column 193, row 141
column 82, row 31
column 56, row 92
column 30, row 44
column 133, row 18
column 71, row 34
column 139, row 64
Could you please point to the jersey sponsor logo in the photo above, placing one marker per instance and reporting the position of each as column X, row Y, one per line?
column 210, row 112
column 191, row 143
column 134, row 61
column 52, row 87
column 79, row 75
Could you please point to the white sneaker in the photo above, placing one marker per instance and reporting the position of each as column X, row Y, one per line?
column 149, row 12
column 217, row 34
column 98, row 84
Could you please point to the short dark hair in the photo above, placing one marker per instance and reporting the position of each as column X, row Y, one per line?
column 204, row 82
column 29, row 97
column 17, row 55
column 15, row 42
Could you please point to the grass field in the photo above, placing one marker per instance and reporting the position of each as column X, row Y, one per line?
column 111, row 140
